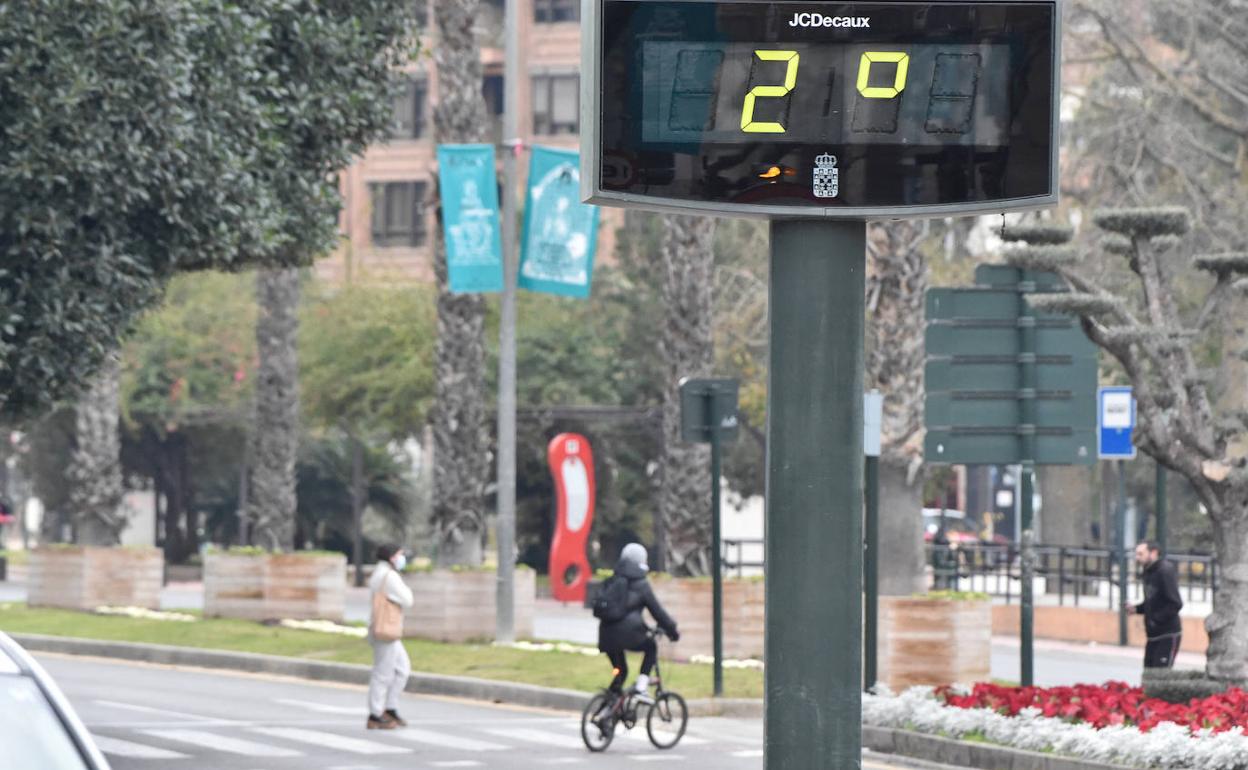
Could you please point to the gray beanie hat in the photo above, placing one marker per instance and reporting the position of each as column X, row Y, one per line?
column 636, row 553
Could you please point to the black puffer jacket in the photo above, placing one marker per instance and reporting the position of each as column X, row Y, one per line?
column 629, row 632
column 1162, row 601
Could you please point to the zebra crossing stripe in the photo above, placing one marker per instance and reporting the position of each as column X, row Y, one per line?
column 431, row 738
column 528, row 735
column 320, row 708
column 330, row 740
column 120, row 748
column 638, row 733
column 218, row 742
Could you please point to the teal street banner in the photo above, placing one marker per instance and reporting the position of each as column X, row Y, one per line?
column 469, row 189
column 560, row 232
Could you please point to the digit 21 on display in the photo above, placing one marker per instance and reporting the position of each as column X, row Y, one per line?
column 849, row 109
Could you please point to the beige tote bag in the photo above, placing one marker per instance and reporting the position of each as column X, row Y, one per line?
column 386, row 624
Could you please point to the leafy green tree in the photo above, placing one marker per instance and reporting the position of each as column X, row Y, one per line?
column 367, row 373
column 367, row 359
column 189, row 368
column 145, row 137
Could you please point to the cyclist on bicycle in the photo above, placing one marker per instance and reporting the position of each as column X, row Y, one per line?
column 629, row 631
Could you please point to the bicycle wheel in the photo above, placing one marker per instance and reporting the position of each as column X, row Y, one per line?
column 598, row 722
column 666, row 722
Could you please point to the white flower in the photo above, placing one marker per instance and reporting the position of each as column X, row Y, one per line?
column 1168, row 745
column 325, row 627
column 146, row 614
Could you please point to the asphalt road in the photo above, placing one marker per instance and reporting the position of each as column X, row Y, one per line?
column 149, row 717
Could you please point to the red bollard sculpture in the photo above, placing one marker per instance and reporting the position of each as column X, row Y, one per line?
column 572, row 466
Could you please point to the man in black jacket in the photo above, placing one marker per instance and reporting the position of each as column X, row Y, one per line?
column 1160, row 607
column 629, row 632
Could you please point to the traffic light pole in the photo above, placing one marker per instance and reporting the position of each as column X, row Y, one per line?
column 717, row 566
column 871, row 575
column 1027, row 434
column 1120, row 551
column 813, row 703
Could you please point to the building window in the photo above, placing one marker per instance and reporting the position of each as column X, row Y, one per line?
column 556, row 104
column 556, row 10
column 398, row 213
column 409, row 110
column 492, row 90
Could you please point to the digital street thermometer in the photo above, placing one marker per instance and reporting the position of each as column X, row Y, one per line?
column 850, row 110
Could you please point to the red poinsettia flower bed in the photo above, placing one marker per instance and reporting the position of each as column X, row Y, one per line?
column 1113, row 703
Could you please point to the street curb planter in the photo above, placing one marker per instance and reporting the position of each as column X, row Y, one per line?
column 689, row 601
column 272, row 586
column 1087, row 624
column 491, row 690
column 86, row 577
column 934, row 640
column 460, row 605
column 955, row 753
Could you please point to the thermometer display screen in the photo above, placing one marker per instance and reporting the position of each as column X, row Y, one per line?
column 827, row 104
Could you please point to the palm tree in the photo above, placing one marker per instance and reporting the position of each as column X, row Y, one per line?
column 688, row 351
column 461, row 456
column 897, row 279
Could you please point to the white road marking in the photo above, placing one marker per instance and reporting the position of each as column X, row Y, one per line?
column 320, row 708
column 120, row 748
column 417, row 735
column 639, row 734
column 457, row 763
column 330, row 740
column 750, row 754
column 112, row 704
column 528, row 735
column 657, row 758
column 218, row 742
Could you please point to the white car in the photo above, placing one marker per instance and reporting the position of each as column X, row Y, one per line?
column 38, row 727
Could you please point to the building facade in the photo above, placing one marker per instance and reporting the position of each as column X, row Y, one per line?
column 388, row 218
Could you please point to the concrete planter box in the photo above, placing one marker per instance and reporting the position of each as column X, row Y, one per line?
column 86, row 577
column 1085, row 624
column 689, row 601
column 275, row 586
column 927, row 641
column 454, row 606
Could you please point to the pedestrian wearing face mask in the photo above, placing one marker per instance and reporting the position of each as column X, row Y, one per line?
column 391, row 666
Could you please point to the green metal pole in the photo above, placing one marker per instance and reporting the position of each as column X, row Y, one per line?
column 717, row 567
column 1162, row 526
column 813, row 695
column 871, row 573
column 1120, row 545
column 1027, row 631
column 1027, row 436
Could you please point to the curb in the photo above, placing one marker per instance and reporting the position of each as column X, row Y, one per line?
column 886, row 740
column 420, row 683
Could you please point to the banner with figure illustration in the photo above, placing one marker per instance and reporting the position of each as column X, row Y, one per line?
column 470, row 221
column 560, row 232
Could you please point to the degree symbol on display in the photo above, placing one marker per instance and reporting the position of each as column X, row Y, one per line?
column 572, row 469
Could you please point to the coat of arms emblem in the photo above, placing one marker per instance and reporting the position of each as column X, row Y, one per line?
column 827, row 177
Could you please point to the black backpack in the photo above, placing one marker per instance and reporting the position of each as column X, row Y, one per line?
column 611, row 603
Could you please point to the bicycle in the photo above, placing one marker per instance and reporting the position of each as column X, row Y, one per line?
column 665, row 721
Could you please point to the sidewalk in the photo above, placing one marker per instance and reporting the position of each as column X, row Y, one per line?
column 1056, row 663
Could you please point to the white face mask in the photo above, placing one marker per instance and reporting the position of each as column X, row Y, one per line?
column 399, row 561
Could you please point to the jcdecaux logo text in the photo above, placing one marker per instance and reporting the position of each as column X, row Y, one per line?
column 819, row 20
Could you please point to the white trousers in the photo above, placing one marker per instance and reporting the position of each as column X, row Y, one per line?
column 391, row 667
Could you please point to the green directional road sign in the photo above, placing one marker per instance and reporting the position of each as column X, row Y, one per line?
column 974, row 375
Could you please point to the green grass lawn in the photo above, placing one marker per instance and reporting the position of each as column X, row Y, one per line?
column 549, row 669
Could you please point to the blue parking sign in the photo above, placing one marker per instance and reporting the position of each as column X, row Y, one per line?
column 1115, row 418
